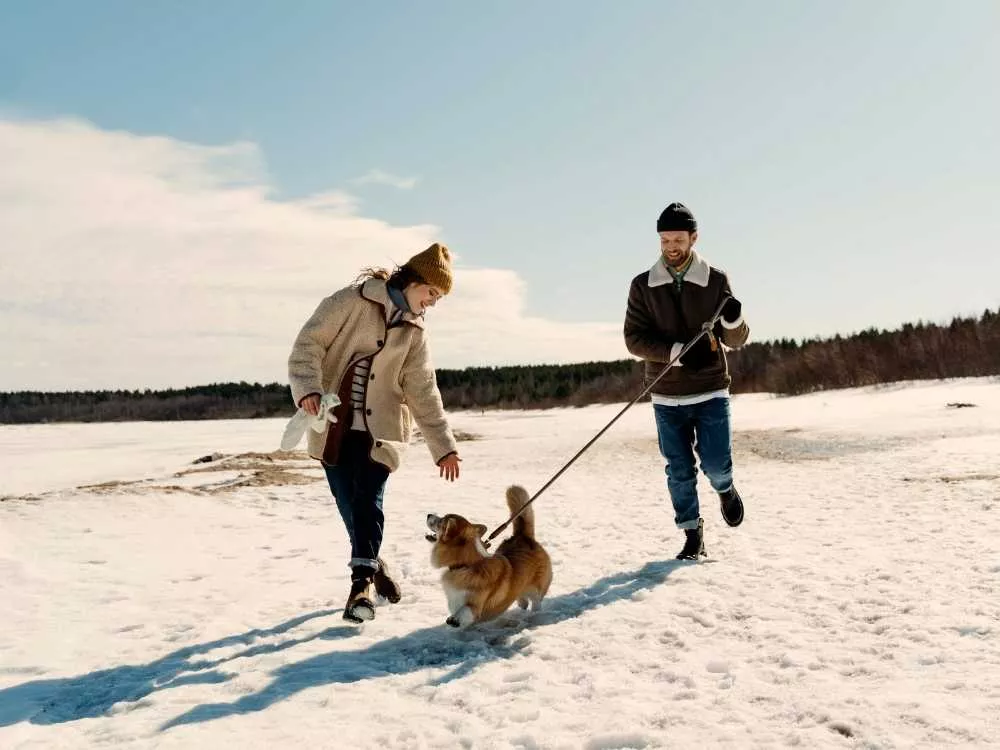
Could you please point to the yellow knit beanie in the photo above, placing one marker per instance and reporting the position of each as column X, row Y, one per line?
column 433, row 265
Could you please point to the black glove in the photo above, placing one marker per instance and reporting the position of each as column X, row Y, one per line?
column 732, row 310
column 700, row 354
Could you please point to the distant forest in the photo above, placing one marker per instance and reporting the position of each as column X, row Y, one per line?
column 963, row 348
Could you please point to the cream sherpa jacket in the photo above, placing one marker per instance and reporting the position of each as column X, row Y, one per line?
column 349, row 326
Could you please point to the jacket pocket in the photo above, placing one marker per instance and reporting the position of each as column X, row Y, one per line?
column 389, row 453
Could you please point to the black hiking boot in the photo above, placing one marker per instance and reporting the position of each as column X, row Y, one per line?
column 732, row 506
column 360, row 602
column 385, row 586
column 694, row 544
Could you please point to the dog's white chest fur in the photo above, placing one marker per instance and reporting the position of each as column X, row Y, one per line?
column 456, row 597
column 461, row 613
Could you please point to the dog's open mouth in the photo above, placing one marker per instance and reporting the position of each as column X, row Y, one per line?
column 433, row 523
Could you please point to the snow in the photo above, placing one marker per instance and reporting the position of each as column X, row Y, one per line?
column 152, row 602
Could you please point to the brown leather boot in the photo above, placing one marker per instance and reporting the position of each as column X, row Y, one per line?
column 385, row 585
column 361, row 601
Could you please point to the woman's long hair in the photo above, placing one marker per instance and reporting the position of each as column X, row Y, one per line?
column 399, row 278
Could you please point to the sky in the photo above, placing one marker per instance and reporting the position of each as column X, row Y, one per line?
column 183, row 183
column 181, row 606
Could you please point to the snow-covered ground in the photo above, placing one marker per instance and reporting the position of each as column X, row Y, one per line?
column 170, row 604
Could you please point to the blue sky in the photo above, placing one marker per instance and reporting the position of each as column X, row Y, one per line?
column 841, row 158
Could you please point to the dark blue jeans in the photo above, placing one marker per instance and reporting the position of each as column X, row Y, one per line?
column 684, row 430
column 358, row 484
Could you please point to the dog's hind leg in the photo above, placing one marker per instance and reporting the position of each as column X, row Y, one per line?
column 535, row 596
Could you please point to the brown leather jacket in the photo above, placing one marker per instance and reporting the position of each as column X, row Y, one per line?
column 660, row 319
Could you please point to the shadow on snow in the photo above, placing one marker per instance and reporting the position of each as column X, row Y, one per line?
column 54, row 701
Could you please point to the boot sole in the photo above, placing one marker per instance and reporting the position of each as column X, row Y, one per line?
column 362, row 611
column 388, row 591
column 392, row 599
column 700, row 554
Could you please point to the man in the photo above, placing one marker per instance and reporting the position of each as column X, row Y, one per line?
column 667, row 306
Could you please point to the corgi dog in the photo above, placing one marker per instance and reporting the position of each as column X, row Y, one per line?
column 480, row 586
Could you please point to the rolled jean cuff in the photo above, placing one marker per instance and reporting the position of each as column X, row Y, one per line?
column 363, row 562
column 693, row 524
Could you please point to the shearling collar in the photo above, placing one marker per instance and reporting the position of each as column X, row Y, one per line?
column 697, row 273
column 374, row 290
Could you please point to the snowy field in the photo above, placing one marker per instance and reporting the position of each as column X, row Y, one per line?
column 149, row 601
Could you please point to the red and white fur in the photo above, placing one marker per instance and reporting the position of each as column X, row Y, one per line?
column 480, row 586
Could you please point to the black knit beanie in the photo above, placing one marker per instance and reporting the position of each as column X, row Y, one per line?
column 676, row 218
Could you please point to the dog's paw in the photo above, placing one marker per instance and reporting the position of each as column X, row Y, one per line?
column 453, row 621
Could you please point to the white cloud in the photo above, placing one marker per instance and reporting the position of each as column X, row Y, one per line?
column 132, row 261
column 378, row 177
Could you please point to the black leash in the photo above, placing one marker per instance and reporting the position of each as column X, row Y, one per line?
column 706, row 327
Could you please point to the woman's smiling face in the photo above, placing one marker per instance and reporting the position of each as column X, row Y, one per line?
column 421, row 296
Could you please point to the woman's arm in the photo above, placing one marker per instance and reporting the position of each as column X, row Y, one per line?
column 305, row 363
column 424, row 400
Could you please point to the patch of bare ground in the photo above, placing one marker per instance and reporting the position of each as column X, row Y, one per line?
column 275, row 469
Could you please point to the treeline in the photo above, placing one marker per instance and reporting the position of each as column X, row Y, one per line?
column 220, row 401
column 540, row 386
column 965, row 347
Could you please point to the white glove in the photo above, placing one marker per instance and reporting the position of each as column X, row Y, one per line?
column 302, row 419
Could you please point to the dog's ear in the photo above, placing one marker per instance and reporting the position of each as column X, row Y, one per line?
column 480, row 530
column 447, row 529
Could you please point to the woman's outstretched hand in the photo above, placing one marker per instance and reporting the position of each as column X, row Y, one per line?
column 449, row 466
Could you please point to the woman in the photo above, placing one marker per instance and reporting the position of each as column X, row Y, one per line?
column 367, row 344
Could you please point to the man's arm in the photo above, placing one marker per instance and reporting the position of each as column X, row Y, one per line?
column 732, row 328
column 642, row 337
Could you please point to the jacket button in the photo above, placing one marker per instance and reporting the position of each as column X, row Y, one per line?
column 368, row 412
column 379, row 343
column 378, row 443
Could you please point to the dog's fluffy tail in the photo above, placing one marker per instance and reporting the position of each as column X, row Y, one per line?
column 524, row 524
